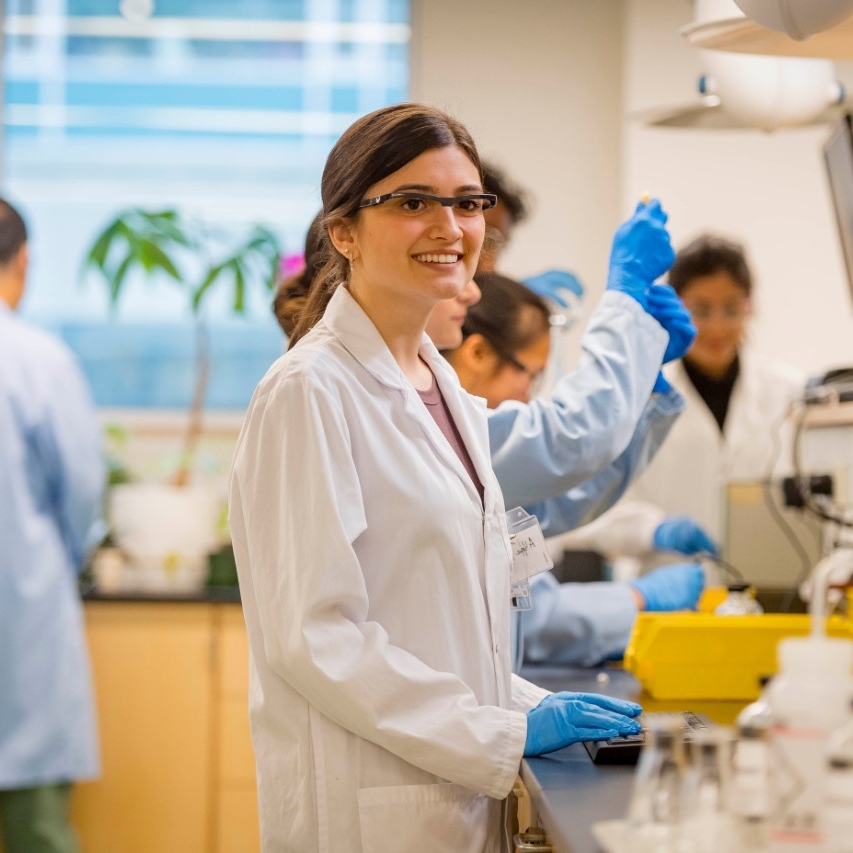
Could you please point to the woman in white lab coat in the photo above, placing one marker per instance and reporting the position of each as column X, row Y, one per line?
column 370, row 537
column 734, row 424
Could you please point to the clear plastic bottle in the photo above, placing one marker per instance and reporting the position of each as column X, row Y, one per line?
column 654, row 814
column 838, row 812
column 739, row 602
column 809, row 700
column 750, row 800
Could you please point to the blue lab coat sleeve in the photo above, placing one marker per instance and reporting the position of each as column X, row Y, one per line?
column 576, row 623
column 587, row 501
column 541, row 450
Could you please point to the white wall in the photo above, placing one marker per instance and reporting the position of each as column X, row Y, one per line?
column 546, row 88
column 539, row 86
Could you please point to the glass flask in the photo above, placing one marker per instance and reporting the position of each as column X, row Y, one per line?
column 654, row 813
column 706, row 825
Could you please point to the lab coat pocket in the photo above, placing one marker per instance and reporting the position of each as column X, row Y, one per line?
column 441, row 818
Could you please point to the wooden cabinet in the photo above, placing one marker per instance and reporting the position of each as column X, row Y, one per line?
column 171, row 682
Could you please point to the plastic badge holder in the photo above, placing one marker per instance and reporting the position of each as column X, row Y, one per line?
column 529, row 555
column 690, row 656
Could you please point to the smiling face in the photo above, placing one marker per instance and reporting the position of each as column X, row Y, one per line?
column 407, row 253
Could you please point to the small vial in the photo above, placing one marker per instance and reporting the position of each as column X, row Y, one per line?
column 750, row 800
column 838, row 813
column 739, row 602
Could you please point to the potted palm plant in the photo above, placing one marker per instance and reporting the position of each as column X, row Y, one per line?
column 167, row 529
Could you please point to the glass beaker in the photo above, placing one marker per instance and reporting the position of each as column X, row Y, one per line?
column 654, row 813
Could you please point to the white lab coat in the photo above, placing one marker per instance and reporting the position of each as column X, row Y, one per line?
column 690, row 472
column 573, row 624
column 375, row 587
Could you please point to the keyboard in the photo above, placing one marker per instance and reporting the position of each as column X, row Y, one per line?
column 626, row 748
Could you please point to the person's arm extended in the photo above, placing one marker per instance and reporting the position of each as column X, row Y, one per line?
column 543, row 449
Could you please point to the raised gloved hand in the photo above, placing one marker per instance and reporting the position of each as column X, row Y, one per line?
column 681, row 533
column 667, row 308
column 564, row 718
column 641, row 252
column 675, row 587
column 555, row 285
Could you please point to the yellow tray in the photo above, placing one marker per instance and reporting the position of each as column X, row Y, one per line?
column 702, row 656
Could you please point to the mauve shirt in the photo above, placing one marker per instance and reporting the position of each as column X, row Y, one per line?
column 441, row 415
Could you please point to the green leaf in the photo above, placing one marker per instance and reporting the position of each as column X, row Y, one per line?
column 212, row 274
column 239, row 290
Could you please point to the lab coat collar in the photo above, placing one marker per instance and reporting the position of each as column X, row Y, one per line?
column 347, row 321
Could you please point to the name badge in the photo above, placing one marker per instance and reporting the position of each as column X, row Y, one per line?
column 529, row 555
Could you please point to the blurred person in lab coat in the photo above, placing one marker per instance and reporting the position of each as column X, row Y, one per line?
column 502, row 356
column 51, row 489
column 734, row 426
column 370, row 534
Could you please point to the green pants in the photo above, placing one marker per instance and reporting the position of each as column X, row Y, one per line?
column 35, row 820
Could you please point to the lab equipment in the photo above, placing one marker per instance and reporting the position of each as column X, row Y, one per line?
column 838, row 814
column 706, row 824
column 750, row 800
column 636, row 257
column 666, row 307
column 682, row 534
column 626, row 749
column 565, row 718
column 739, row 602
column 654, row 812
column 838, row 160
column 808, row 700
column 691, row 656
column 670, row 588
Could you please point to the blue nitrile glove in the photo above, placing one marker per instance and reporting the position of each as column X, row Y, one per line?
column 661, row 386
column 675, row 587
column 554, row 285
column 668, row 309
column 564, row 718
column 681, row 533
column 641, row 252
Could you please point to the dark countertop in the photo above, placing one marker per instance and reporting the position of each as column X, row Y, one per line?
column 208, row 595
column 568, row 791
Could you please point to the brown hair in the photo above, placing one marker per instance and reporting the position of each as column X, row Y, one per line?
column 372, row 148
column 292, row 292
column 707, row 255
column 509, row 315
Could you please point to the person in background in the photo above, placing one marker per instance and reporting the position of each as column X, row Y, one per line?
column 559, row 286
column 733, row 427
column 51, row 493
column 504, row 351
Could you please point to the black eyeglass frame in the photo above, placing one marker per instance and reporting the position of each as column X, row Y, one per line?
column 512, row 361
column 489, row 199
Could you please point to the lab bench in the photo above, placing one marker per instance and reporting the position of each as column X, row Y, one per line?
column 170, row 677
column 570, row 793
